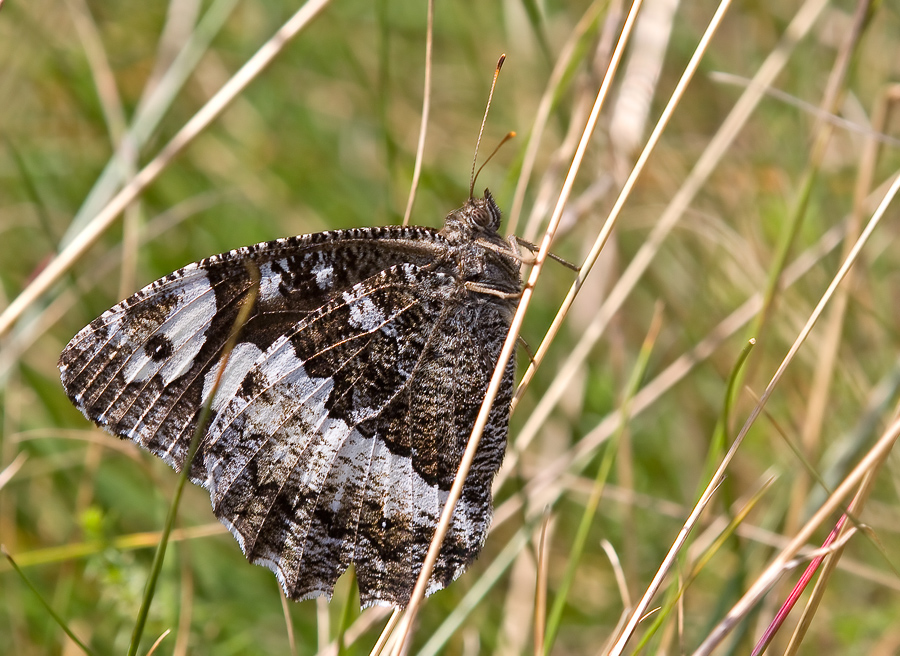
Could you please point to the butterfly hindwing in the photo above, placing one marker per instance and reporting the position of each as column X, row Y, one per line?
column 343, row 454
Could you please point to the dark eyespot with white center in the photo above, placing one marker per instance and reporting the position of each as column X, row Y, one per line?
column 158, row 348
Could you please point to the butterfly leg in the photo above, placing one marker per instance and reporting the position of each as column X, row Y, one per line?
column 525, row 257
column 484, row 289
column 517, row 242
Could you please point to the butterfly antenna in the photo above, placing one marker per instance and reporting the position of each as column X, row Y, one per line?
column 509, row 135
column 483, row 121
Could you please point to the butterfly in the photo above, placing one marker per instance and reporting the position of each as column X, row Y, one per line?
column 344, row 409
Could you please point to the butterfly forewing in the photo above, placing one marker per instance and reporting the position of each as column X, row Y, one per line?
column 140, row 369
column 346, row 404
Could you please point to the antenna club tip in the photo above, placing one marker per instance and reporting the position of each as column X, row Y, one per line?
column 501, row 60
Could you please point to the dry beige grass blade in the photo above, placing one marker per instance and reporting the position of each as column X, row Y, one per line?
column 673, row 373
column 36, row 325
column 541, row 484
column 418, row 594
column 828, row 353
column 701, row 172
column 831, row 562
column 642, row 607
column 875, row 455
column 685, row 363
column 57, row 267
column 288, row 626
column 180, row 49
column 117, row 125
column 542, row 115
column 348, row 97
column 628, row 120
column 771, row 575
column 104, row 80
column 158, row 642
column 475, row 597
column 593, row 334
column 757, row 590
column 426, row 110
column 12, row 468
column 540, row 597
column 387, row 633
column 186, row 605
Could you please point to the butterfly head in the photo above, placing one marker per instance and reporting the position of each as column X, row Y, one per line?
column 479, row 216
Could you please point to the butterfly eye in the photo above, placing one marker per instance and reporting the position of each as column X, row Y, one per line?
column 488, row 215
column 482, row 217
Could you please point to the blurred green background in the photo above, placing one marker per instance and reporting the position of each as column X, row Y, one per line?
column 325, row 138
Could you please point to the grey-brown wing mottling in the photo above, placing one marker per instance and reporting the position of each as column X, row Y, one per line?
column 346, row 404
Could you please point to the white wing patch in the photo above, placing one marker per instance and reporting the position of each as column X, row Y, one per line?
column 324, row 275
column 363, row 312
column 288, row 402
column 241, row 360
column 268, row 284
column 184, row 332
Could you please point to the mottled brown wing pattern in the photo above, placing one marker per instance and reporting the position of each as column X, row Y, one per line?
column 140, row 368
column 346, row 404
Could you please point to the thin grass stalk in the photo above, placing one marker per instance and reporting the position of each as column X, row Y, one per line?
column 205, row 412
column 689, row 523
column 158, row 642
column 156, row 99
column 768, row 578
column 614, row 214
column 762, row 584
column 123, row 543
column 794, row 596
column 814, row 418
column 678, row 592
column 426, row 109
column 360, row 626
column 831, row 562
column 288, row 624
column 584, row 450
column 186, row 600
column 101, row 71
column 56, row 617
column 822, row 137
column 566, row 59
column 508, row 347
column 603, row 471
column 79, row 245
column 323, row 624
column 719, row 441
column 387, row 633
column 796, row 449
column 540, row 592
column 476, row 594
column 717, row 635
column 12, row 468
